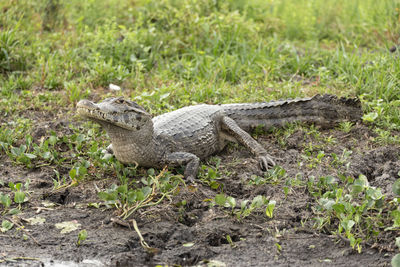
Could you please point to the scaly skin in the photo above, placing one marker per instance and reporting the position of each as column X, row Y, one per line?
column 186, row 135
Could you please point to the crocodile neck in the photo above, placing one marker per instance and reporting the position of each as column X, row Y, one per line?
column 129, row 145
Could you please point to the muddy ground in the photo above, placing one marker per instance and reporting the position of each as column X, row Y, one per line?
column 197, row 234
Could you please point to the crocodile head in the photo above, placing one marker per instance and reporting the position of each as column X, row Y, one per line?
column 119, row 112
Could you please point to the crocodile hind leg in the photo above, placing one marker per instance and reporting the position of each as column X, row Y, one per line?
column 191, row 161
column 233, row 129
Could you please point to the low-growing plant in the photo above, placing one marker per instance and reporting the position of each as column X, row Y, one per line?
column 274, row 176
column 246, row 207
column 19, row 194
column 355, row 209
column 151, row 190
column 346, row 126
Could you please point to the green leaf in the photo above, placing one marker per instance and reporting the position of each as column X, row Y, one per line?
column 11, row 185
column 18, row 186
column 370, row 117
column 231, row 202
column 146, row 191
column 46, row 155
column 244, row 204
column 396, row 218
column 15, row 151
column 269, row 211
column 112, row 196
column 52, row 140
column 72, row 173
column 220, row 199
column 359, row 184
column 132, row 196
column 29, row 155
column 14, row 211
column 396, row 260
column 5, row 200
column 82, row 236
column 6, row 225
column 396, row 187
column 122, row 189
column 374, row 193
column 338, row 208
column 347, row 224
column 326, row 203
column 258, row 201
column 19, row 197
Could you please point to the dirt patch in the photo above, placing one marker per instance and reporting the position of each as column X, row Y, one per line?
column 197, row 234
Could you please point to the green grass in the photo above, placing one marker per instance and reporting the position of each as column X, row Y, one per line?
column 171, row 53
column 203, row 51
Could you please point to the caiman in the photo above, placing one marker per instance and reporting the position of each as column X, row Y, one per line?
column 187, row 135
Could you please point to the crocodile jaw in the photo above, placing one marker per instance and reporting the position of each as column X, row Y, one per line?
column 116, row 112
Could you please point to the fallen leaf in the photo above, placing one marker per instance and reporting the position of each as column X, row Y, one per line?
column 67, row 227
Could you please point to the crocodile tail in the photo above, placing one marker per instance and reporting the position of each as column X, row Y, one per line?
column 324, row 110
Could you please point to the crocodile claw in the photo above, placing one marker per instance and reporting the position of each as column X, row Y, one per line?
column 266, row 162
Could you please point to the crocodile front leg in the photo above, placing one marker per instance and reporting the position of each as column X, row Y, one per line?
column 233, row 129
column 183, row 158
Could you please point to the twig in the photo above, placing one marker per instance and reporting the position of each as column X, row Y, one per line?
column 142, row 241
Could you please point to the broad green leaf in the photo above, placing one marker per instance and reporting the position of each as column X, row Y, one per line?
column 19, row 197
column 374, row 193
column 231, row 202
column 5, row 200
column 46, row 155
column 338, row 208
column 132, row 196
column 359, row 184
column 108, row 196
column 6, row 225
column 258, row 201
column 146, row 191
column 347, row 225
column 396, row 260
column 122, row 189
column 220, row 199
column 29, row 155
column 139, row 195
column 370, row 117
column 326, row 203
column 396, row 187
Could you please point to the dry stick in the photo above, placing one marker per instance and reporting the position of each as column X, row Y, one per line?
column 25, row 231
column 142, row 242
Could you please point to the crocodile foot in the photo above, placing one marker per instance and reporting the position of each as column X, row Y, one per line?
column 266, row 162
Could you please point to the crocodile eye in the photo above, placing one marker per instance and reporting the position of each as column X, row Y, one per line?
column 120, row 101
